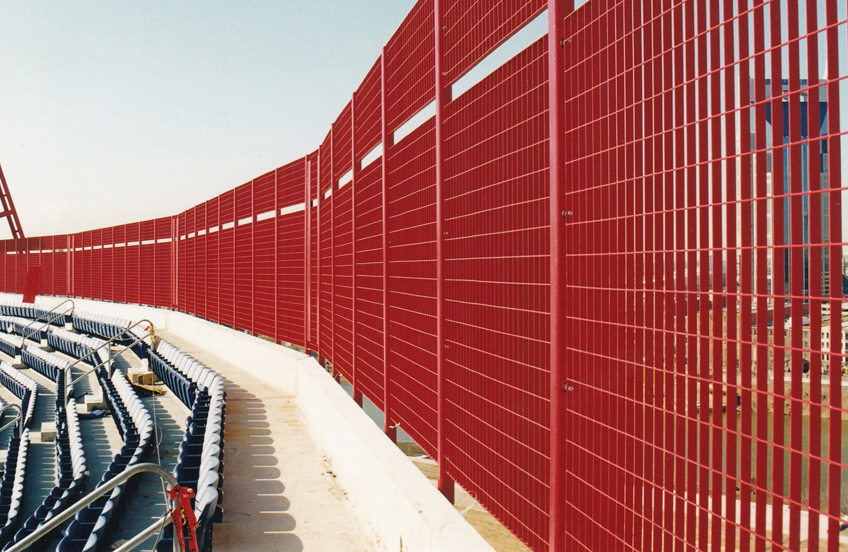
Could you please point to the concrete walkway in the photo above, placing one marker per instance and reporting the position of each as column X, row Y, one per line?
column 279, row 492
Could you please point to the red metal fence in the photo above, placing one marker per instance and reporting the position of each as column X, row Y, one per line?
column 639, row 346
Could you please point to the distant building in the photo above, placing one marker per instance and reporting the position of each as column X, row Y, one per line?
column 808, row 200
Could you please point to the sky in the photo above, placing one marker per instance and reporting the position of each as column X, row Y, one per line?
column 113, row 112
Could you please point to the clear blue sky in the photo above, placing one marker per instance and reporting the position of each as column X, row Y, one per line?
column 112, row 112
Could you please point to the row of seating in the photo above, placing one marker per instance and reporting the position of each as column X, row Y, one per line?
column 176, row 381
column 23, row 327
column 192, row 370
column 78, row 346
column 51, row 366
column 200, row 462
column 33, row 312
column 109, row 327
column 23, row 387
column 71, row 472
column 101, row 325
column 12, row 483
column 86, row 532
column 10, row 345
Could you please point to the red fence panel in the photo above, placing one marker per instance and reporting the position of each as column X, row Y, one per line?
column 412, row 284
column 369, row 282
column 244, row 260
column 343, row 246
column 264, row 254
column 410, row 58
column 473, row 29
column 701, row 255
column 162, row 263
column 201, row 269
column 291, row 253
column 226, row 259
column 497, row 293
column 325, row 257
column 314, row 235
column 703, row 326
column 147, row 263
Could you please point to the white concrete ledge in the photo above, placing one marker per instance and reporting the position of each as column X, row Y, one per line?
column 406, row 512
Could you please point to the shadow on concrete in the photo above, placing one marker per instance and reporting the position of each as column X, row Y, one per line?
column 146, row 502
column 41, row 465
column 251, row 466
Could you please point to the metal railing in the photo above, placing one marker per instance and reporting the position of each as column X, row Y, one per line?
column 112, row 355
column 115, row 338
column 48, row 321
column 19, row 416
column 78, row 506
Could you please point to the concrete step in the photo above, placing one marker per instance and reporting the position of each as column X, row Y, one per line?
column 140, row 375
column 91, row 403
column 46, row 434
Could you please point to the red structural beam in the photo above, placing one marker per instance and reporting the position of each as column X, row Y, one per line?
column 9, row 212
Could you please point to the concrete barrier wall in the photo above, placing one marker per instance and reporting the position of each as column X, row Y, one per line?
column 406, row 512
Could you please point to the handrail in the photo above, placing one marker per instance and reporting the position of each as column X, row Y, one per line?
column 73, row 509
column 111, row 356
column 151, row 530
column 20, row 417
column 113, row 339
column 47, row 322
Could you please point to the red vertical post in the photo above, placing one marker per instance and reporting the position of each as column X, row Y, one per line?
column 320, row 199
column 388, row 141
column 220, row 227
column 334, row 196
column 557, row 10
column 173, row 262
column 235, row 259
column 9, row 212
column 70, row 265
column 155, row 271
column 307, row 236
column 252, row 258
column 446, row 484
column 357, row 393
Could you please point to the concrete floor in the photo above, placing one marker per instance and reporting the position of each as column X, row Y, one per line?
column 280, row 494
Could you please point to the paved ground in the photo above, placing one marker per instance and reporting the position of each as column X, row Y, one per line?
column 279, row 493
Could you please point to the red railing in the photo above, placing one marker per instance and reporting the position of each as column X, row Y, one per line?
column 639, row 347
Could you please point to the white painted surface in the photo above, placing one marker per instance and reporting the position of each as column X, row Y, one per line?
column 406, row 511
column 385, row 489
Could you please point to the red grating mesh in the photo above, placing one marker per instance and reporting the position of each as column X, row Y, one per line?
column 226, row 259
column 107, row 238
column 264, row 254
column 325, row 257
column 369, row 283
column 213, row 257
column 314, row 308
column 200, row 300
column 147, row 264
column 162, row 263
column 343, row 249
column 119, row 263
column 704, row 260
column 244, row 260
column 182, row 280
column 473, row 29
column 412, row 284
column 497, row 293
column 368, row 121
column 410, row 58
column 291, row 255
column 190, row 245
